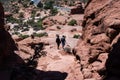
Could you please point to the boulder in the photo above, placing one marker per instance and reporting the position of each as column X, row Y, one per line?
column 48, row 22
column 87, row 73
column 77, row 9
column 99, row 38
column 8, row 14
column 102, row 57
column 67, row 49
column 59, row 19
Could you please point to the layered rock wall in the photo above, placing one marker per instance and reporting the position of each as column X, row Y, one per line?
column 101, row 30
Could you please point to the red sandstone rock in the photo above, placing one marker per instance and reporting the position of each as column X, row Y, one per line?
column 101, row 28
column 48, row 22
column 77, row 9
column 8, row 14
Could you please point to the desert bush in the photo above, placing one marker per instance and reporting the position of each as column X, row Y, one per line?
column 40, row 34
column 53, row 11
column 40, row 5
column 25, row 5
column 16, row 33
column 31, row 3
column 12, row 20
column 31, row 22
column 33, row 13
column 21, row 15
column 76, row 36
column 23, row 36
column 71, row 4
column 72, row 22
column 36, row 25
column 25, row 29
column 84, row 1
column 49, row 4
column 16, row 9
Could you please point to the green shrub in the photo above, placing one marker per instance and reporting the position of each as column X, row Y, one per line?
column 33, row 13
column 25, row 29
column 36, row 25
column 76, row 36
column 71, row 4
column 31, row 22
column 25, row 5
column 16, row 9
column 39, row 23
column 49, row 4
column 21, row 15
column 40, row 5
column 23, row 36
column 12, row 20
column 53, row 11
column 40, row 34
column 65, row 1
column 25, row 24
column 15, row 28
column 72, row 22
column 16, row 33
column 84, row 1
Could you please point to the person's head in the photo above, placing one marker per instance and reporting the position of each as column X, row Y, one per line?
column 64, row 36
column 57, row 35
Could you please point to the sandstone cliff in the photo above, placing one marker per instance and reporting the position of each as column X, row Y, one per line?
column 101, row 30
column 7, row 44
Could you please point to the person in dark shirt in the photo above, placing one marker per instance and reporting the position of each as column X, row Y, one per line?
column 63, row 41
column 58, row 41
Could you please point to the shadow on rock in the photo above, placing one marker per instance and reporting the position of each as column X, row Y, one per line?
column 13, row 67
column 27, row 73
column 113, row 63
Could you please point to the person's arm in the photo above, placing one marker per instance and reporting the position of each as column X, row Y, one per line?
column 56, row 40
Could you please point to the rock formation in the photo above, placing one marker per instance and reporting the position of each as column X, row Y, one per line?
column 101, row 30
column 7, row 44
column 8, row 59
column 77, row 9
column 1, row 16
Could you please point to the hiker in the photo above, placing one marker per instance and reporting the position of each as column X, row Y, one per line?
column 58, row 41
column 63, row 41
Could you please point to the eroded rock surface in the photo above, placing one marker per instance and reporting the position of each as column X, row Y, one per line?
column 101, row 31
